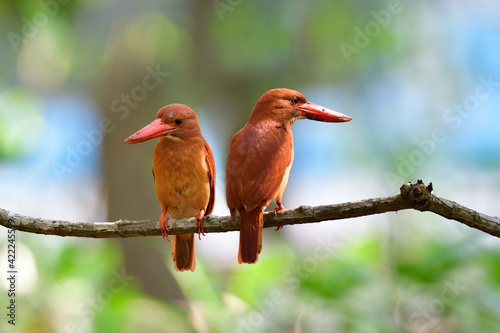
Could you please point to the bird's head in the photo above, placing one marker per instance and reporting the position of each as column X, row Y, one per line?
column 287, row 105
column 173, row 120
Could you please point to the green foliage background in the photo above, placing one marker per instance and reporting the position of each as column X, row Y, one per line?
column 408, row 272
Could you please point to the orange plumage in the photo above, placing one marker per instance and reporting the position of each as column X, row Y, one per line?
column 260, row 158
column 184, row 174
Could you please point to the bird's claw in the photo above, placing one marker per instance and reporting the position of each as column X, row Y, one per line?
column 199, row 223
column 276, row 210
column 164, row 233
column 164, row 225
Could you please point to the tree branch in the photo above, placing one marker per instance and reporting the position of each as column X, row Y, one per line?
column 412, row 196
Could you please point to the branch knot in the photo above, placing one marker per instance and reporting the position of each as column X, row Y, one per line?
column 417, row 194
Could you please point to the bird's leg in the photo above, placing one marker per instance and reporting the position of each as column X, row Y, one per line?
column 280, row 207
column 164, row 225
column 199, row 223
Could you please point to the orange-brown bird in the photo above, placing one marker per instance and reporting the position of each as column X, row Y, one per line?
column 184, row 174
column 260, row 158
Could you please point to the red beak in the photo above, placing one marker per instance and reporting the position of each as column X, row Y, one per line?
column 151, row 131
column 317, row 112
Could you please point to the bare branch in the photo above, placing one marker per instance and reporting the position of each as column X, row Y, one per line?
column 412, row 196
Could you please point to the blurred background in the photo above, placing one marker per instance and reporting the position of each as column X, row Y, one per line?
column 421, row 80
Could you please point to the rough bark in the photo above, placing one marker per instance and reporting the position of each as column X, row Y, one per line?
column 412, row 196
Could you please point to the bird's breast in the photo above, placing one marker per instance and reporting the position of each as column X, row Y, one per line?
column 259, row 162
column 181, row 179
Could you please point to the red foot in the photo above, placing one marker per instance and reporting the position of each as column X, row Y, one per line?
column 280, row 207
column 199, row 223
column 164, row 225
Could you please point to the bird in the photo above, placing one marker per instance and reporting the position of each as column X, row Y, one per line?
column 183, row 172
column 260, row 158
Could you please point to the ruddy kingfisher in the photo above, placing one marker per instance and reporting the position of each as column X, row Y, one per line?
column 260, row 158
column 183, row 172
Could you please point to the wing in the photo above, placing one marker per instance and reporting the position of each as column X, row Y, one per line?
column 258, row 158
column 209, row 159
column 233, row 167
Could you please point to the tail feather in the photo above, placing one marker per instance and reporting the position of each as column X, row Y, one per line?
column 183, row 252
column 250, row 235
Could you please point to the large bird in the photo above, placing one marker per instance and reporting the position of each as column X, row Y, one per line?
column 184, row 174
column 260, row 158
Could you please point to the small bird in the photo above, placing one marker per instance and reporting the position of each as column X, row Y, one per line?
column 260, row 158
column 183, row 172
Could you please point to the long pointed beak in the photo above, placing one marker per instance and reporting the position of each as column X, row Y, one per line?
column 151, row 131
column 317, row 112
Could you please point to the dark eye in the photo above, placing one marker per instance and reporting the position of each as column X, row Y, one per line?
column 295, row 100
column 178, row 121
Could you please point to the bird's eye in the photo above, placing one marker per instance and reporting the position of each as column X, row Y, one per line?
column 295, row 100
column 178, row 121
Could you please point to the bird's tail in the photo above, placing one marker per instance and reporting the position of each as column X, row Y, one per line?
column 250, row 235
column 183, row 252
